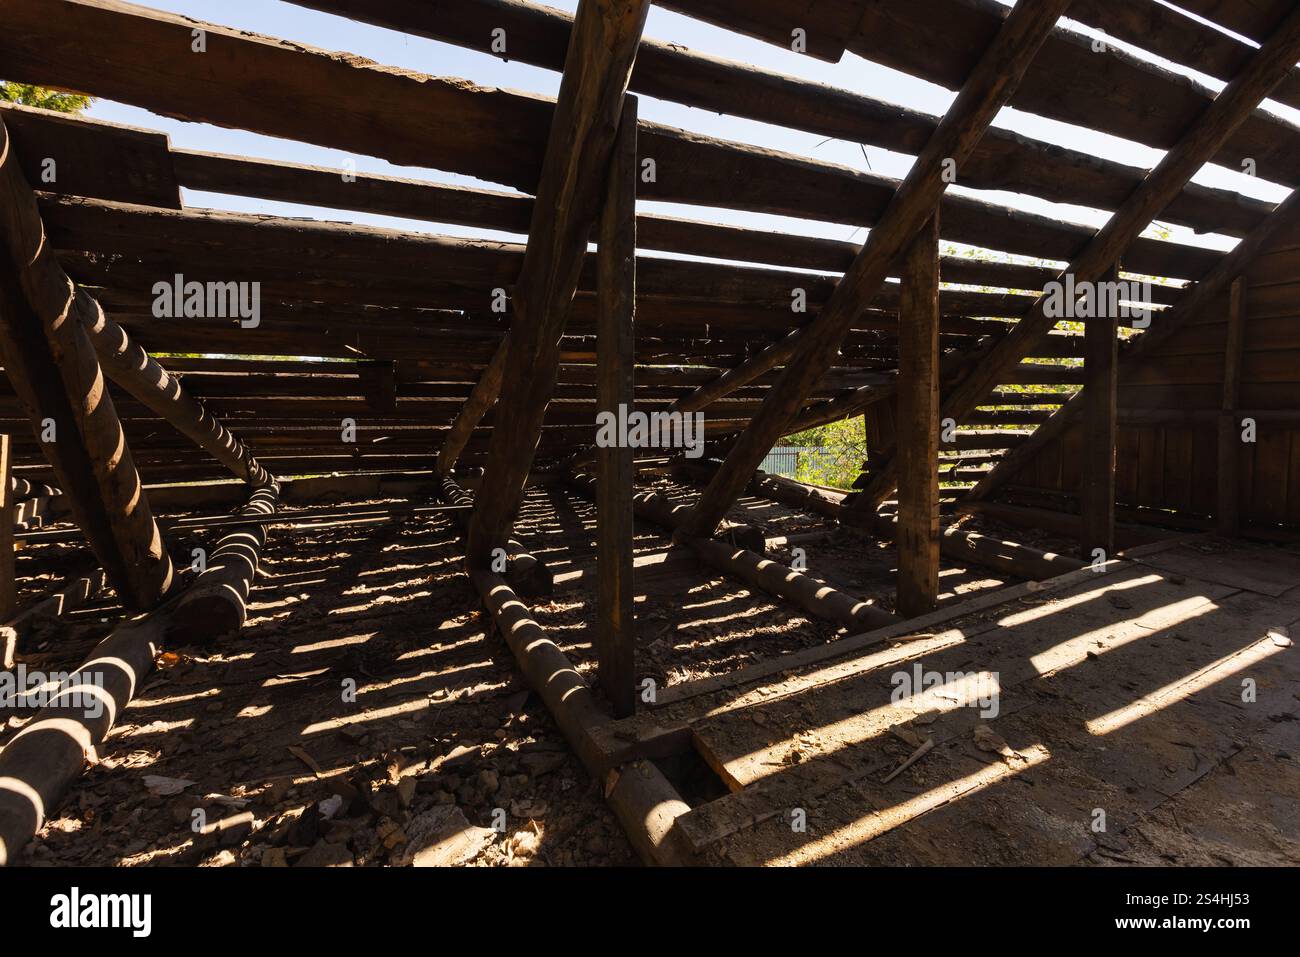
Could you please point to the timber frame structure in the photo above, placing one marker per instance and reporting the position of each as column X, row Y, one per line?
column 144, row 402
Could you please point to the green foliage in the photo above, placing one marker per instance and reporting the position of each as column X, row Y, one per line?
column 843, row 448
column 28, row 95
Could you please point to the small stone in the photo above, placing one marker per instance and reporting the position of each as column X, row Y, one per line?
column 275, row 857
column 489, row 780
column 324, row 854
column 406, row 791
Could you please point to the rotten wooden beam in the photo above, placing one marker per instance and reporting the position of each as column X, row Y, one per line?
column 216, row 604
column 750, row 567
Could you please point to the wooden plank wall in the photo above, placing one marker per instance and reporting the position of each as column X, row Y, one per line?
column 1172, row 463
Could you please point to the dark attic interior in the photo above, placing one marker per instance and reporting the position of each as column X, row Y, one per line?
column 722, row 433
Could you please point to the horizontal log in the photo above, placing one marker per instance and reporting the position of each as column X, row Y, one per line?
column 815, row 597
column 216, row 604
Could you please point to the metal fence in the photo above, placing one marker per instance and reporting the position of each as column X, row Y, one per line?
column 783, row 460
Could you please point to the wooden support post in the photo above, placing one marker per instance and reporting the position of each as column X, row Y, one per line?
column 918, row 426
column 1229, row 436
column 615, row 371
column 601, row 52
column 8, row 584
column 480, row 399
column 988, row 87
column 216, row 604
column 51, row 363
column 1097, row 470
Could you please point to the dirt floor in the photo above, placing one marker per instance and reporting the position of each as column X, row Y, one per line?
column 365, row 713
column 251, row 753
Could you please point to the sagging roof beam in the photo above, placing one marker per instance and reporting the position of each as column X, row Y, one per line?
column 574, row 172
column 49, row 358
column 1203, row 140
column 987, row 89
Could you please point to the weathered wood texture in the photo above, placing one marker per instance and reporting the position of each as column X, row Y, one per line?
column 1003, row 160
column 1097, row 467
column 615, row 390
column 749, row 566
column 8, row 583
column 1229, row 438
column 52, row 365
column 918, row 419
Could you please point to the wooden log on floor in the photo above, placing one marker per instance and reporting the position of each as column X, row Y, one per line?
column 526, row 573
column 46, row 757
column 606, row 35
column 615, row 396
column 545, row 666
column 918, row 426
column 988, row 87
column 53, row 368
column 966, row 547
column 774, row 487
column 642, row 798
column 216, row 604
column 1100, row 423
column 69, row 596
column 1228, row 490
column 751, row 567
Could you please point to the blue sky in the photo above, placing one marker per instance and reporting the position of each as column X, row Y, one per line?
column 330, row 32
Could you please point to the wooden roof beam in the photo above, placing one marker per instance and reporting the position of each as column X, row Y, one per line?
column 1003, row 160
column 989, row 86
